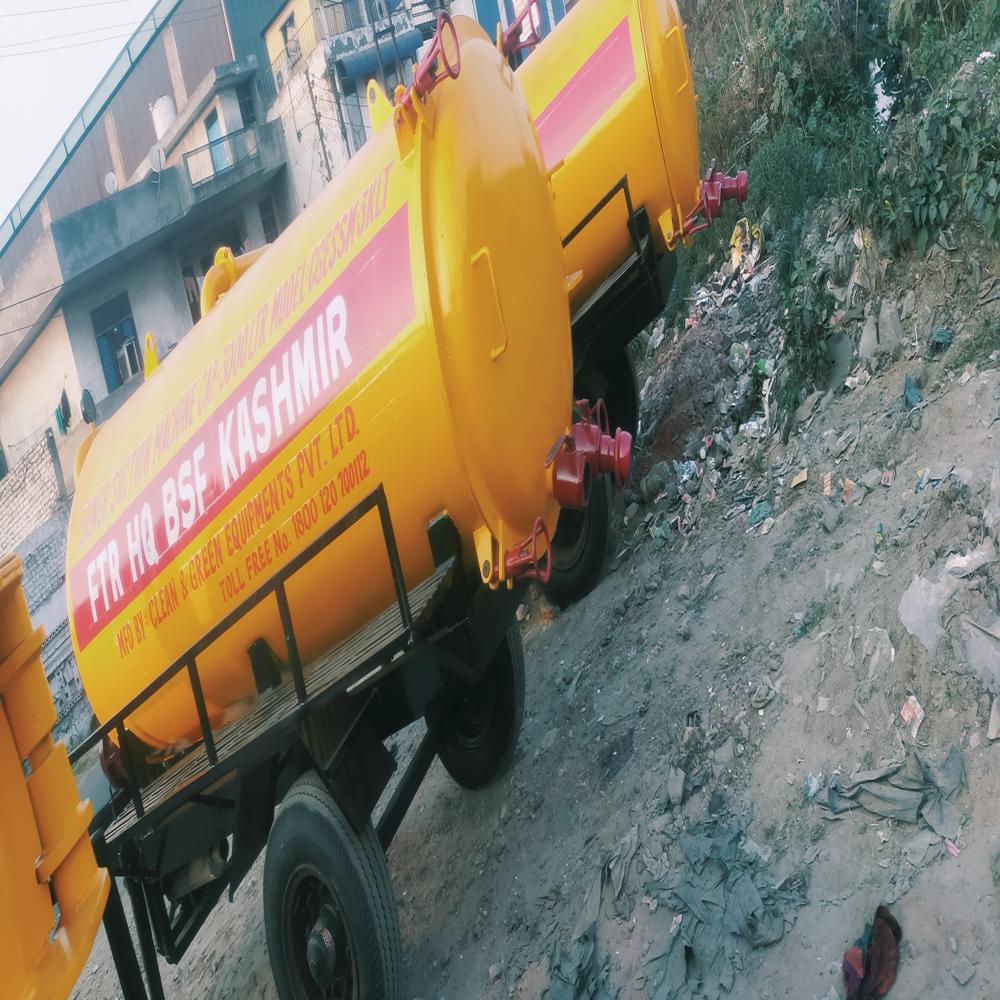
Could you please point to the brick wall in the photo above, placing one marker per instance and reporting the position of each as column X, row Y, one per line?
column 43, row 552
column 29, row 495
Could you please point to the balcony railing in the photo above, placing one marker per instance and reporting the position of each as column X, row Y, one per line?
column 343, row 15
column 221, row 155
column 330, row 19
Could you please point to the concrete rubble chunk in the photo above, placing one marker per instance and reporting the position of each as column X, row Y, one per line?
column 890, row 328
column 993, row 729
column 675, row 786
column 962, row 970
column 868, row 344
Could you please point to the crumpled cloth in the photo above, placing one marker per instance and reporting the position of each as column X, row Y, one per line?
column 727, row 901
column 871, row 963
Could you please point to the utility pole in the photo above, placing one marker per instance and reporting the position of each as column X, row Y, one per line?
column 319, row 126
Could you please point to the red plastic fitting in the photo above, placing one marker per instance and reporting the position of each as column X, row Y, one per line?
column 524, row 561
column 716, row 189
column 590, row 450
column 511, row 41
column 435, row 65
column 571, row 477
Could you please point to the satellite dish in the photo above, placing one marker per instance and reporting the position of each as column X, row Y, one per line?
column 88, row 408
column 111, row 182
column 157, row 159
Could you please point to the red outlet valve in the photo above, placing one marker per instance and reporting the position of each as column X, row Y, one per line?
column 590, row 450
column 716, row 189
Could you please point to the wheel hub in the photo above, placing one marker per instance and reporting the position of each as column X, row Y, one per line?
column 321, row 949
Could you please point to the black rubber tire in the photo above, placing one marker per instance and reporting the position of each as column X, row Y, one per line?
column 311, row 833
column 478, row 759
column 579, row 546
column 622, row 394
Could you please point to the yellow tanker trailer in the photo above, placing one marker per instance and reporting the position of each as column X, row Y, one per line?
column 312, row 524
column 611, row 92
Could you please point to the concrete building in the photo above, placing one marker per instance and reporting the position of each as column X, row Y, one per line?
column 321, row 55
column 168, row 159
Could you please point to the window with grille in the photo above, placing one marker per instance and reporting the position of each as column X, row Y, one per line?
column 248, row 110
column 268, row 219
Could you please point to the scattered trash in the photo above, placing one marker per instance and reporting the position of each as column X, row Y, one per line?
column 739, row 355
column 728, row 900
column 923, row 848
column 912, row 396
column 941, row 340
column 880, row 654
column 952, row 847
column 887, row 477
column 849, row 487
column 907, row 790
column 827, row 484
column 759, row 512
column 746, row 247
column 871, row 963
column 799, row 478
column 814, row 782
column 621, row 859
column 912, row 714
column 878, row 568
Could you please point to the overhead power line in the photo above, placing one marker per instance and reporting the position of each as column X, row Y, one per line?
column 216, row 13
column 179, row 18
column 61, row 10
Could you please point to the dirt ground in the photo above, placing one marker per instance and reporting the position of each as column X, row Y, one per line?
column 748, row 661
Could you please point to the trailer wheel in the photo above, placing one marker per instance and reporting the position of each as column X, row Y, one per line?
column 329, row 909
column 579, row 546
column 479, row 729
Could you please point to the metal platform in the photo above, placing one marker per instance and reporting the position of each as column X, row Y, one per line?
column 361, row 659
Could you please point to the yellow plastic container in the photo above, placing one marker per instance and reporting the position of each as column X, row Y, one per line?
column 45, row 851
column 611, row 92
column 410, row 328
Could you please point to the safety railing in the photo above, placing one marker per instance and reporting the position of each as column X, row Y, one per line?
column 188, row 661
column 221, row 155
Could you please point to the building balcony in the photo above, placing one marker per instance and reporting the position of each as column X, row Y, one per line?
column 209, row 180
column 222, row 162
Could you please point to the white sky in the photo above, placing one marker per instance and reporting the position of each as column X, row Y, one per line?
column 41, row 91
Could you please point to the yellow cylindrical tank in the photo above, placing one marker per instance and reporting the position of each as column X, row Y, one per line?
column 410, row 328
column 52, row 893
column 611, row 92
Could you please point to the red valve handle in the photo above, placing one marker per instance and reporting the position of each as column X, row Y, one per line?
column 526, row 565
column 428, row 73
column 511, row 42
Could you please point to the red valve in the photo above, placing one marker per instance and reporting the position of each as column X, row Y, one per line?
column 524, row 560
column 716, row 188
column 511, row 41
column 436, row 64
column 590, row 450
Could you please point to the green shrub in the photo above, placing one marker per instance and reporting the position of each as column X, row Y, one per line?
column 944, row 161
